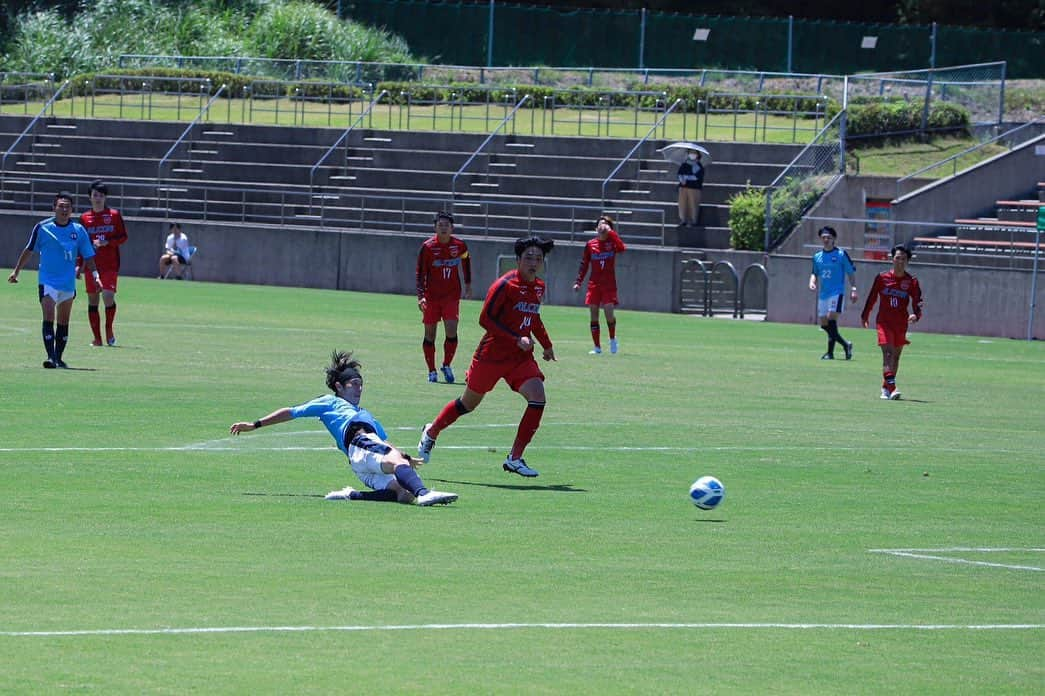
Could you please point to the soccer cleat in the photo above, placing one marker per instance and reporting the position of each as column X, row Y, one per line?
column 425, row 445
column 111, row 341
column 827, row 356
column 595, row 351
column 435, row 498
column 433, row 376
column 613, row 345
column 895, row 396
column 518, row 466
column 848, row 346
column 96, row 344
column 448, row 374
column 343, row 494
column 59, row 363
column 49, row 364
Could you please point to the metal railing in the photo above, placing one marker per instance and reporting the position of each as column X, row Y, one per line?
column 188, row 129
column 28, row 129
column 482, row 146
column 631, row 153
column 292, row 208
column 814, row 159
column 342, row 139
column 764, row 107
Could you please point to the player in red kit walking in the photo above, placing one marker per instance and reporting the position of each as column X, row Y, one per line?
column 600, row 255
column 511, row 316
column 899, row 304
column 441, row 264
column 105, row 227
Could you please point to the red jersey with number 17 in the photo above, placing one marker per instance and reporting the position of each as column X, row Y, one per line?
column 440, row 268
column 512, row 309
column 108, row 226
column 894, row 295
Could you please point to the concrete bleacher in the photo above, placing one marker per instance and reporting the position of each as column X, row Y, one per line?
column 388, row 180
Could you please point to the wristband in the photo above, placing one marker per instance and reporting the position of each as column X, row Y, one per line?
column 257, row 424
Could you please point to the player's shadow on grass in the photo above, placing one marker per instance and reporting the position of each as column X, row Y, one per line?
column 717, row 520
column 557, row 488
column 77, row 369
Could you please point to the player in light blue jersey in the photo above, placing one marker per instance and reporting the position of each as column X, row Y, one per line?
column 387, row 470
column 58, row 240
column 831, row 267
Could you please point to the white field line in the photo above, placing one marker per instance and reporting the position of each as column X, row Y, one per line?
column 935, row 555
column 514, row 626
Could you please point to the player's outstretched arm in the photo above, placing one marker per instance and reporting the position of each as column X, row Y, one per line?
column 281, row 416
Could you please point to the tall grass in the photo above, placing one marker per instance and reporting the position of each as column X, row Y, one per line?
column 93, row 40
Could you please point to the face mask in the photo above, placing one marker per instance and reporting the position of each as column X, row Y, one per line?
column 693, row 157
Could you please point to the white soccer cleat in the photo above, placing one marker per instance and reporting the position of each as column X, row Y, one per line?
column 425, row 445
column 518, row 466
column 895, row 396
column 343, row 494
column 435, row 498
column 613, row 346
column 885, row 393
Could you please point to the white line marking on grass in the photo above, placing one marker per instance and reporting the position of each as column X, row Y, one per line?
column 934, row 555
column 512, row 626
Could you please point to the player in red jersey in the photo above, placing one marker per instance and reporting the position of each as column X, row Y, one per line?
column 511, row 317
column 441, row 264
column 899, row 304
column 105, row 227
column 600, row 255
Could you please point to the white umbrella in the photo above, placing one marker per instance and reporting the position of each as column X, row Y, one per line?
column 677, row 152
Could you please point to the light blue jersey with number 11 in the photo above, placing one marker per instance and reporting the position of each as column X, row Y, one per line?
column 58, row 247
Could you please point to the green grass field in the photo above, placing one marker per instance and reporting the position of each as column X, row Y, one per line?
column 143, row 550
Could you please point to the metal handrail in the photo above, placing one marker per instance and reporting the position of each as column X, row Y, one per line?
column 955, row 157
column 651, row 131
column 344, row 137
column 803, row 151
column 504, row 121
column 188, row 129
column 32, row 124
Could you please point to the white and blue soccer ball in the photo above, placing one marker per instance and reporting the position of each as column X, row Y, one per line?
column 707, row 492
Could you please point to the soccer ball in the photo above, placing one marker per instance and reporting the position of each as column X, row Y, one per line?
column 707, row 492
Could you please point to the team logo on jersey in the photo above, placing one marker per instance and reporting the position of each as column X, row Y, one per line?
column 904, row 284
column 528, row 307
column 107, row 219
column 72, row 235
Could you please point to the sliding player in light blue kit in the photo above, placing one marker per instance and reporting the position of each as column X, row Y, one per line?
column 379, row 465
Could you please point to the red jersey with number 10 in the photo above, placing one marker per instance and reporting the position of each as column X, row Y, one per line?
column 512, row 309
column 108, row 226
column 894, row 295
column 440, row 268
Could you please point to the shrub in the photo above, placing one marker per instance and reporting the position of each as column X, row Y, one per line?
column 747, row 219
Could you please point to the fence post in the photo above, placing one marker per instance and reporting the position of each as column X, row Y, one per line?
column 769, row 217
column 489, row 38
column 642, row 39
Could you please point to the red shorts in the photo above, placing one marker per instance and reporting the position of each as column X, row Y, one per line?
column 599, row 297
column 892, row 334
column 441, row 309
column 108, row 281
column 482, row 375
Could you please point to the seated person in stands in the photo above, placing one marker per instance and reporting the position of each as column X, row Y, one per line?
column 176, row 252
